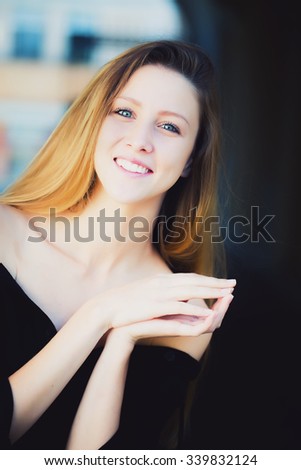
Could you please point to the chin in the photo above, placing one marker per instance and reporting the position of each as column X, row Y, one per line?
column 140, row 201
column 126, row 197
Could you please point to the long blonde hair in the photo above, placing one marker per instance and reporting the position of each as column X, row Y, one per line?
column 62, row 175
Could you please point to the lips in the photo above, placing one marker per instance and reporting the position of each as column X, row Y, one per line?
column 133, row 166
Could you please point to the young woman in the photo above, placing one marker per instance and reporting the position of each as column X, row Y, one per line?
column 106, row 272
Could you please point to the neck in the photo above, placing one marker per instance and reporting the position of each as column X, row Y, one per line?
column 108, row 233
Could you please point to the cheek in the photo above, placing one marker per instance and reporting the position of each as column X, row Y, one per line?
column 176, row 156
column 103, row 145
column 109, row 132
column 97, row 153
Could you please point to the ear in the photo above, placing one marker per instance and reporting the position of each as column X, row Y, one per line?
column 187, row 168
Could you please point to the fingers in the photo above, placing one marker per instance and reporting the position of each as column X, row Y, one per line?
column 222, row 304
column 185, row 324
column 188, row 279
column 182, row 308
column 195, row 292
column 164, row 327
column 188, row 319
column 220, row 308
column 167, row 294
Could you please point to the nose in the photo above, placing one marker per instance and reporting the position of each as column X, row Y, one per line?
column 139, row 138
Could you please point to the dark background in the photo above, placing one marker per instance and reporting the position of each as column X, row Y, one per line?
column 249, row 393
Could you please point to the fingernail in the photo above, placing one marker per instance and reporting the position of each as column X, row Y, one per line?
column 231, row 297
column 231, row 281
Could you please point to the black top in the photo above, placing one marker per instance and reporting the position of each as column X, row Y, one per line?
column 155, row 387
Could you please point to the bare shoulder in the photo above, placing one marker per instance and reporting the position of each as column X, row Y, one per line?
column 13, row 228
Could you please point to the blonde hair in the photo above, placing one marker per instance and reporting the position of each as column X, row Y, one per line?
column 62, row 175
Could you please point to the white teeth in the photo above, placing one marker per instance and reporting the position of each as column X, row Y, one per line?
column 129, row 166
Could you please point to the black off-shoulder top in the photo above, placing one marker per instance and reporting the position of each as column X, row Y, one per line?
column 155, row 388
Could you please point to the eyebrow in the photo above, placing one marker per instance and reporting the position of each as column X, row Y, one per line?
column 163, row 112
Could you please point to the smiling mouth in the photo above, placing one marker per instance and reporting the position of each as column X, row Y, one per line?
column 132, row 167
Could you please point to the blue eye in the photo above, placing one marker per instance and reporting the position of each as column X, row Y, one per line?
column 168, row 126
column 124, row 112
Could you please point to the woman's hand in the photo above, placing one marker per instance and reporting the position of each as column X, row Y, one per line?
column 174, row 325
column 166, row 295
column 98, row 415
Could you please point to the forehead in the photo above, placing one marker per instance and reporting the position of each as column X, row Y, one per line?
column 160, row 85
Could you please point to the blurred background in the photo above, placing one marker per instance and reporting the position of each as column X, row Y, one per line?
column 248, row 395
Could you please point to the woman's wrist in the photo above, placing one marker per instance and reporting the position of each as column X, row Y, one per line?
column 97, row 311
column 119, row 339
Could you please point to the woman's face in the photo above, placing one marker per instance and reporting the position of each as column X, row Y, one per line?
column 148, row 136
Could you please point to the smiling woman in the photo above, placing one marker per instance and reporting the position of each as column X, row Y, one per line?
column 152, row 127
column 103, row 336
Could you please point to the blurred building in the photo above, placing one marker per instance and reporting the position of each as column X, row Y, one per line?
column 50, row 50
